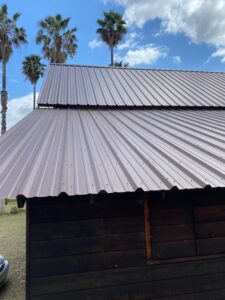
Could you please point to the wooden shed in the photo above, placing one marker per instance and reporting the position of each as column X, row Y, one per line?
column 123, row 175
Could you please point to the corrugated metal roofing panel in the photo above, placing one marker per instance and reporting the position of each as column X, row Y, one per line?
column 71, row 85
column 87, row 151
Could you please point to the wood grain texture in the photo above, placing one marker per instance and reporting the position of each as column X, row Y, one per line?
column 87, row 245
column 122, row 276
column 97, row 251
column 146, row 290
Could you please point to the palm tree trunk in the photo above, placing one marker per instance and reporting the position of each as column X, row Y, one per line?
column 112, row 62
column 4, row 97
column 34, row 97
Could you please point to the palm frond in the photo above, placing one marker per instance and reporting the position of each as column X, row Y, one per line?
column 57, row 40
column 10, row 35
column 32, row 68
column 4, row 9
column 112, row 28
column 16, row 16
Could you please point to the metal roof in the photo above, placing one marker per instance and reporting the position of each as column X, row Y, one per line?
column 70, row 85
column 88, row 151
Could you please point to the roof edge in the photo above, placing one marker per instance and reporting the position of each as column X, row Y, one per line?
column 21, row 199
column 132, row 68
column 117, row 107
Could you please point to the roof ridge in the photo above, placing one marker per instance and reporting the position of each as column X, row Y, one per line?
column 133, row 68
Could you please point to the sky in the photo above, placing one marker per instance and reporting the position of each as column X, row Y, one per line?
column 164, row 34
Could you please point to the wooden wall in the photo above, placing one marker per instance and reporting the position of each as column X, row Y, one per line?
column 82, row 250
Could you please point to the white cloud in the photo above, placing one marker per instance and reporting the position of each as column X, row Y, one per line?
column 95, row 44
column 146, row 54
column 176, row 60
column 13, row 80
column 220, row 52
column 200, row 20
column 18, row 108
column 130, row 41
column 118, row 57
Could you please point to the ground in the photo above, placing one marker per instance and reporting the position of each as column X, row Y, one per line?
column 12, row 247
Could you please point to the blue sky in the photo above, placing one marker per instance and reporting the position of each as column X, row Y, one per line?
column 167, row 34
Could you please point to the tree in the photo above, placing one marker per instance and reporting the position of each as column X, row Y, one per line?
column 33, row 69
column 58, row 41
column 112, row 29
column 10, row 36
column 120, row 64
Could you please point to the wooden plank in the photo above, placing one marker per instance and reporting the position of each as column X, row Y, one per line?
column 85, row 211
column 169, row 233
column 148, row 245
column 100, row 279
column 218, row 294
column 83, row 228
column 209, row 198
column 171, row 216
column 85, row 245
column 87, row 263
column 210, row 229
column 166, row 250
column 209, row 213
column 210, row 246
column 82, row 205
column 156, row 289
column 82, row 199
column 170, row 201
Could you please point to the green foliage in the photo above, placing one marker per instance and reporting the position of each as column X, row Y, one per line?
column 120, row 64
column 32, row 68
column 7, row 201
column 10, row 35
column 57, row 41
column 14, row 210
column 112, row 29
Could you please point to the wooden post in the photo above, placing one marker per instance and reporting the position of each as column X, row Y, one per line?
column 147, row 227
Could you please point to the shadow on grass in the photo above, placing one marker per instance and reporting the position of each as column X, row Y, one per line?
column 4, row 288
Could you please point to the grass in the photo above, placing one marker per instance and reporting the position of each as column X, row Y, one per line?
column 10, row 205
column 12, row 247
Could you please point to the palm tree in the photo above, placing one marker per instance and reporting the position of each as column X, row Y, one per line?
column 58, row 41
column 112, row 29
column 33, row 69
column 10, row 36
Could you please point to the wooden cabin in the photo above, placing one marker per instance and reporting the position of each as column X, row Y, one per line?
column 127, row 246
column 123, row 176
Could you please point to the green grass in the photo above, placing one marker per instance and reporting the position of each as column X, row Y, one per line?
column 12, row 247
column 11, row 204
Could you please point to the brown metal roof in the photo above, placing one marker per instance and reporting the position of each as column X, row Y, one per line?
column 88, row 151
column 70, row 85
